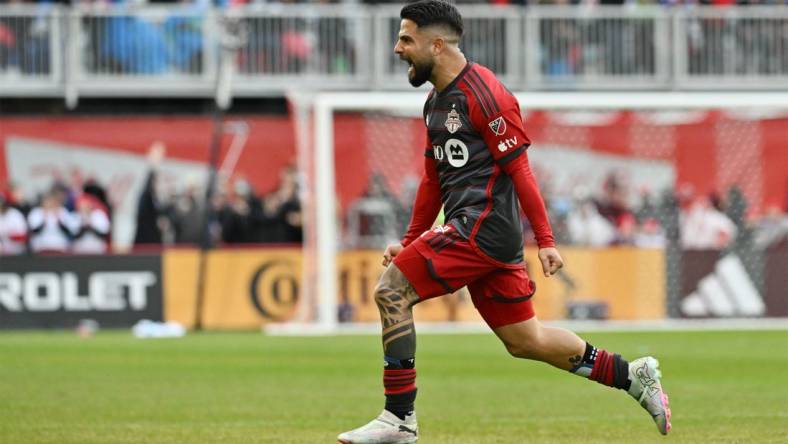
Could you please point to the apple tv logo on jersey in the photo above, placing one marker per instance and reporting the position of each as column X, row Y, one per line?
column 457, row 152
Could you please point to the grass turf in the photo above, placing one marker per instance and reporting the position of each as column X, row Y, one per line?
column 726, row 387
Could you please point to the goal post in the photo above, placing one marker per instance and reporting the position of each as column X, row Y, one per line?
column 315, row 125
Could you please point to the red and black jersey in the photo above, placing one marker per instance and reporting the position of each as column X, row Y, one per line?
column 477, row 168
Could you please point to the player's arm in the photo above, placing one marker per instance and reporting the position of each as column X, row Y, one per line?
column 425, row 209
column 499, row 122
column 427, row 204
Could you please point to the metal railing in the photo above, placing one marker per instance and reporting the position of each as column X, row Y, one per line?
column 170, row 51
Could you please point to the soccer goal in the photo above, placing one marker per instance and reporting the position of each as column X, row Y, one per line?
column 618, row 172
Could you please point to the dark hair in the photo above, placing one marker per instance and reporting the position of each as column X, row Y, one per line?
column 433, row 12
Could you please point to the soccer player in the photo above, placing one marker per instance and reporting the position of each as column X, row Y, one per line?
column 476, row 166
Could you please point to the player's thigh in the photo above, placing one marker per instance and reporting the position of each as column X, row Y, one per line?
column 503, row 297
column 440, row 263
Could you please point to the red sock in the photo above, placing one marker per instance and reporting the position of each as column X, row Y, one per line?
column 400, row 385
column 610, row 370
column 399, row 381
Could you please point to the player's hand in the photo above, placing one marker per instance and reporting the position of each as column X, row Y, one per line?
column 391, row 251
column 551, row 260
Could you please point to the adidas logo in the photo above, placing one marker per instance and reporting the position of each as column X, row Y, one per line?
column 727, row 291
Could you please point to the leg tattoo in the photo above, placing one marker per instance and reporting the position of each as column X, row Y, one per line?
column 395, row 297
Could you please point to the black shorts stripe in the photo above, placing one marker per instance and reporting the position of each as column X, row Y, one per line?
column 511, row 156
column 440, row 280
column 515, row 299
column 486, row 92
column 476, row 95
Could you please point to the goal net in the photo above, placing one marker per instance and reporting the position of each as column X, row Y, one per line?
column 657, row 202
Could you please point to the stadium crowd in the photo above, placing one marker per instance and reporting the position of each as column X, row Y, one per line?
column 153, row 44
column 613, row 215
column 75, row 216
column 237, row 215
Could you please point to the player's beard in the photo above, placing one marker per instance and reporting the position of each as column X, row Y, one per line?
column 421, row 73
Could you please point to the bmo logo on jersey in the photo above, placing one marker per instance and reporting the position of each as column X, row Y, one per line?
column 456, row 153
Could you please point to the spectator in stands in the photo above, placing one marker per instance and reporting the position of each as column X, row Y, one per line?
column 92, row 226
column 13, row 228
column 586, row 226
column 187, row 215
column 51, row 225
column 93, row 188
column 151, row 211
column 614, row 207
column 649, row 235
column 271, row 224
column 290, row 208
column 372, row 219
column 704, row 227
column 241, row 214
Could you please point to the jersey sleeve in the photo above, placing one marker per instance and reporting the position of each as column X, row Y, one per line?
column 496, row 117
column 530, row 199
column 427, row 205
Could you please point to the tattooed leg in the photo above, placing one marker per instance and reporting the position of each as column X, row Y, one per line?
column 395, row 297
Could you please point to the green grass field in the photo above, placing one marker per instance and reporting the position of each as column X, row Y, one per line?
column 729, row 387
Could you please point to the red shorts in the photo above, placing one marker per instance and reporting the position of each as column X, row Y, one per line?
column 441, row 261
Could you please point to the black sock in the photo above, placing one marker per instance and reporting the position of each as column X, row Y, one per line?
column 401, row 404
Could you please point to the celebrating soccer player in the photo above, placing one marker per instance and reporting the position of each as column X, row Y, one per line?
column 476, row 167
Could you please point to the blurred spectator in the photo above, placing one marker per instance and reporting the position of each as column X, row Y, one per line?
column 13, row 228
column 372, row 219
column 51, row 225
column 240, row 215
column 587, row 227
column 92, row 226
column 614, row 207
column 186, row 214
column 650, row 235
column 151, row 211
column 93, row 188
column 290, row 207
column 705, row 227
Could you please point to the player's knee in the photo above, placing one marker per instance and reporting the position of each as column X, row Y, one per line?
column 524, row 348
column 384, row 295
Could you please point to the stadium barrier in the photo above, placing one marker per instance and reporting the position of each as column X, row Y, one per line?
column 58, row 291
column 247, row 288
column 173, row 51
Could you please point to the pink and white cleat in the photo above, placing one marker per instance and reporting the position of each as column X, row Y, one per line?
column 647, row 390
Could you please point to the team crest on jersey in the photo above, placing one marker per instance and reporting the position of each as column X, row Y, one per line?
column 453, row 123
column 498, row 126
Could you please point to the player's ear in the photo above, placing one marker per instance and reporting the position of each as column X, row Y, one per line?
column 438, row 44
